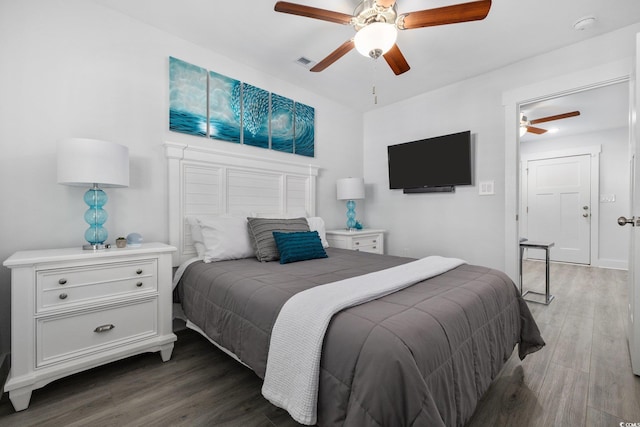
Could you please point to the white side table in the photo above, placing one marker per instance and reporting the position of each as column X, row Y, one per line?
column 366, row 240
column 74, row 309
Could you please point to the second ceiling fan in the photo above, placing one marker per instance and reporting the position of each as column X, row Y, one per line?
column 525, row 125
column 376, row 23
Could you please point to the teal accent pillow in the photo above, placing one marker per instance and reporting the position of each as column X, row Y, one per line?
column 299, row 246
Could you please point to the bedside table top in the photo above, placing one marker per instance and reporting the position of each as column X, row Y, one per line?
column 77, row 253
column 345, row 232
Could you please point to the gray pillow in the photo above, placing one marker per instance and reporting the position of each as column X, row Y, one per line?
column 261, row 234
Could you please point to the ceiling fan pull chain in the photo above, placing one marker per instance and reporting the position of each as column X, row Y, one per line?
column 373, row 92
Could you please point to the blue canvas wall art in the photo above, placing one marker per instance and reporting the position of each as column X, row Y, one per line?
column 255, row 116
column 206, row 103
column 187, row 98
column 224, row 107
column 304, row 130
column 282, row 110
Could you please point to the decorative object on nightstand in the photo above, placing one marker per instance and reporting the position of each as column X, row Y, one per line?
column 365, row 240
column 73, row 310
column 121, row 242
column 350, row 189
column 95, row 163
column 134, row 239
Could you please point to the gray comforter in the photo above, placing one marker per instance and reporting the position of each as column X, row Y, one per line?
column 422, row 356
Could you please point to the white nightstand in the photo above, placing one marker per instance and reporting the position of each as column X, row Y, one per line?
column 73, row 309
column 367, row 240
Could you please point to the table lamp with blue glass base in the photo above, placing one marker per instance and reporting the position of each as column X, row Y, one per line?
column 95, row 163
column 350, row 189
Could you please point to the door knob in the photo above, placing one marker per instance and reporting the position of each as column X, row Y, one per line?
column 585, row 207
column 586, row 215
column 624, row 221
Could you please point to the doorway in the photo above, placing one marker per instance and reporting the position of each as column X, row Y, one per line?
column 571, row 183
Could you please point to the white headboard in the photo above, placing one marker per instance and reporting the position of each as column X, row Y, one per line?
column 204, row 181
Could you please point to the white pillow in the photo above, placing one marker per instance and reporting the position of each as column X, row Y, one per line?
column 196, row 235
column 223, row 238
column 317, row 224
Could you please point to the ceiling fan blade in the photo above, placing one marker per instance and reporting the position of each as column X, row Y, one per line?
column 396, row 60
column 537, row 131
column 312, row 12
column 385, row 3
column 464, row 12
column 556, row 117
column 334, row 56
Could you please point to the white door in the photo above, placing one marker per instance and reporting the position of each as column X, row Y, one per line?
column 634, row 253
column 559, row 207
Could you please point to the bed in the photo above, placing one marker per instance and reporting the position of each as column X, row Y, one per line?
column 423, row 355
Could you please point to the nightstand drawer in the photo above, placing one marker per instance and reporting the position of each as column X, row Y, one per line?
column 372, row 249
column 64, row 338
column 365, row 241
column 66, row 287
column 103, row 273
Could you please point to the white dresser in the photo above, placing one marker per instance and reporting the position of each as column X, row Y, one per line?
column 367, row 240
column 73, row 309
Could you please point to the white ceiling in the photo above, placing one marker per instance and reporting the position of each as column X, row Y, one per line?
column 251, row 32
column 600, row 109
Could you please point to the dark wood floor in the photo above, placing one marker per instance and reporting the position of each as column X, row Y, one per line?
column 581, row 378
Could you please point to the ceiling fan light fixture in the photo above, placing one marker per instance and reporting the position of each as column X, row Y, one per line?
column 523, row 130
column 523, row 124
column 375, row 39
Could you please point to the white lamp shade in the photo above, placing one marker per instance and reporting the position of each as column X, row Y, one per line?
column 378, row 35
column 350, row 188
column 83, row 161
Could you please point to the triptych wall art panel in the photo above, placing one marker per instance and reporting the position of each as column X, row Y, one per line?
column 208, row 104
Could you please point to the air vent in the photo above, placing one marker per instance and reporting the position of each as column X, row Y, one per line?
column 305, row 62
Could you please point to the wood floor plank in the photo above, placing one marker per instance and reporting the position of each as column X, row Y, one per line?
column 563, row 397
column 574, row 344
column 596, row 418
column 612, row 389
column 508, row 402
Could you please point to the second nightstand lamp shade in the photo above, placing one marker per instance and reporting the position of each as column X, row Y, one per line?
column 91, row 162
column 350, row 189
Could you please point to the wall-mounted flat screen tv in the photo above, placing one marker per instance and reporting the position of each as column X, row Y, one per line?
column 442, row 161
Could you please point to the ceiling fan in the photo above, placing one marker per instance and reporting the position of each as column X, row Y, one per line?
column 376, row 23
column 525, row 125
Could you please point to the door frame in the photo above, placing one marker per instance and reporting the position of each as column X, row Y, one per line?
column 612, row 73
column 594, row 192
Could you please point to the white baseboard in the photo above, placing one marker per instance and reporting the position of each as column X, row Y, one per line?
column 614, row 264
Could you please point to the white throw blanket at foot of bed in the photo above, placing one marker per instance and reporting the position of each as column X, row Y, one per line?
column 293, row 363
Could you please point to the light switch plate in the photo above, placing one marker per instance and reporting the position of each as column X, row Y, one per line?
column 485, row 188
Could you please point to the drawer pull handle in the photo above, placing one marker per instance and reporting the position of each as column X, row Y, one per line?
column 139, row 271
column 374, row 247
column 62, row 281
column 375, row 241
column 63, row 296
column 357, row 243
column 103, row 328
column 139, row 284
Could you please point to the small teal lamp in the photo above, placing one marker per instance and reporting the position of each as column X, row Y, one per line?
column 91, row 162
column 350, row 189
